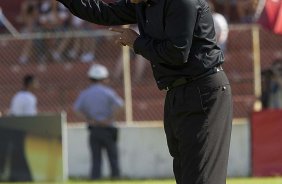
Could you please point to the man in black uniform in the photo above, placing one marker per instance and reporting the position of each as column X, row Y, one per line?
column 178, row 38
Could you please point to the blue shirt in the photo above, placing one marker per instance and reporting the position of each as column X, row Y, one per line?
column 98, row 102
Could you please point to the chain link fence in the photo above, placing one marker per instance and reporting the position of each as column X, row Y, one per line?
column 60, row 61
column 251, row 50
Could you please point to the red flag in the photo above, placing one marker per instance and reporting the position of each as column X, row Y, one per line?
column 271, row 17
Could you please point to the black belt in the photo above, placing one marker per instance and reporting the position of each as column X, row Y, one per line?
column 183, row 80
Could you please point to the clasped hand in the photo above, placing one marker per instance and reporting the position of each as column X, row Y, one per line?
column 127, row 36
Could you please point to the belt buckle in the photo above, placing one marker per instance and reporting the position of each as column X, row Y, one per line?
column 166, row 88
column 218, row 68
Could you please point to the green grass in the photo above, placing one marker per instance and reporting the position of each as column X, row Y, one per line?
column 277, row 180
column 273, row 180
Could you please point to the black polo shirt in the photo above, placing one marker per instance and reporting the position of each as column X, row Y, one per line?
column 176, row 36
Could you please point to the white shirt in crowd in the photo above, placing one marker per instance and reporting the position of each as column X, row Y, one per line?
column 221, row 28
column 24, row 103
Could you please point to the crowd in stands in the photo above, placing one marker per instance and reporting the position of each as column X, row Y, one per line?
column 47, row 16
column 272, row 85
column 51, row 16
column 237, row 11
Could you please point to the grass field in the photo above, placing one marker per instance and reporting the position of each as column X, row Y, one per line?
column 275, row 180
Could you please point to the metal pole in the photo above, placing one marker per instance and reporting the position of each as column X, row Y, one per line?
column 257, row 67
column 8, row 25
column 127, row 84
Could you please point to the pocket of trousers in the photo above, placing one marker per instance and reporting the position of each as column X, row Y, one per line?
column 210, row 96
column 186, row 100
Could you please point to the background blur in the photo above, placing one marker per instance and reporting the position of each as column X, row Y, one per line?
column 59, row 48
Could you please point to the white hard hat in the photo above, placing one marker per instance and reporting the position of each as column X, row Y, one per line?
column 98, row 71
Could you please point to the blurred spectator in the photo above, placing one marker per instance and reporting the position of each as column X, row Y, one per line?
column 223, row 7
column 53, row 17
column 266, row 87
column 236, row 11
column 28, row 17
column 99, row 105
column 82, row 49
column 24, row 103
column 276, row 84
column 76, row 25
column 221, row 28
column 272, row 86
column 89, row 44
column 64, row 18
column 13, row 148
column 50, row 16
column 245, row 11
column 43, row 16
column 140, row 64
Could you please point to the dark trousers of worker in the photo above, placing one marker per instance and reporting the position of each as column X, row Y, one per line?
column 198, row 121
column 12, row 152
column 104, row 138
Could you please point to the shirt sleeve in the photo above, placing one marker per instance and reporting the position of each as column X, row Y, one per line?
column 116, row 100
column 180, row 19
column 99, row 12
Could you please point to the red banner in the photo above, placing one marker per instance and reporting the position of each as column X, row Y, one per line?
column 271, row 17
column 267, row 143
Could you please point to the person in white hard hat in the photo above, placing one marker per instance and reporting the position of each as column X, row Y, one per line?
column 99, row 105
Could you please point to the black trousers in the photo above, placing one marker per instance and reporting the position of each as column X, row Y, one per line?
column 12, row 151
column 197, row 122
column 104, row 138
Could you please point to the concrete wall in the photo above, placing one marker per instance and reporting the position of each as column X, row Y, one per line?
column 144, row 153
column 240, row 149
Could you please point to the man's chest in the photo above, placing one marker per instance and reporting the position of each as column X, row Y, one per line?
column 151, row 20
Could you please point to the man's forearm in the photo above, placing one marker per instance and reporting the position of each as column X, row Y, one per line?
column 161, row 51
column 98, row 12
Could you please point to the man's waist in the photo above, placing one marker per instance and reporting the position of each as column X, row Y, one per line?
column 100, row 123
column 186, row 80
